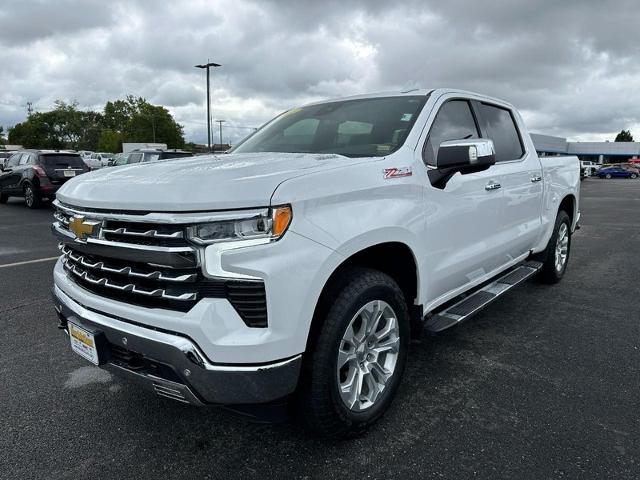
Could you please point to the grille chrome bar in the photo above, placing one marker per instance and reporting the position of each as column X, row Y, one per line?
column 129, row 287
column 164, row 218
column 148, row 233
column 129, row 271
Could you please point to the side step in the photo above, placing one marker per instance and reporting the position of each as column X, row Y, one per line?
column 473, row 303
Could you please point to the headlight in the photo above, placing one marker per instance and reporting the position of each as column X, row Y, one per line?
column 270, row 223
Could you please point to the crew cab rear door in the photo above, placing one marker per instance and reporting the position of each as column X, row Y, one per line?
column 520, row 177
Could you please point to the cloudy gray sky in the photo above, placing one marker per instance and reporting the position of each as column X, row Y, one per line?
column 571, row 66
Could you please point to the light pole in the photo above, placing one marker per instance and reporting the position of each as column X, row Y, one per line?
column 220, row 122
column 208, row 65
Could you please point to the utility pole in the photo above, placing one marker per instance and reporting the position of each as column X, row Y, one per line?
column 208, row 65
column 29, row 108
column 220, row 122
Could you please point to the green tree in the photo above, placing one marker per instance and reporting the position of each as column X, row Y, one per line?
column 110, row 141
column 139, row 121
column 624, row 136
column 129, row 120
column 2, row 139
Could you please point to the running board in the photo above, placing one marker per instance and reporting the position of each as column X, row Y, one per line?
column 473, row 303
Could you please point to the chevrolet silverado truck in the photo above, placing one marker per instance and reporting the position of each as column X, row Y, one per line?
column 299, row 265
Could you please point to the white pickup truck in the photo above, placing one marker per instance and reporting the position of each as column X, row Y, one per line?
column 300, row 264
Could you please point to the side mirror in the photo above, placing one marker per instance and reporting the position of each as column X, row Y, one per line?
column 464, row 156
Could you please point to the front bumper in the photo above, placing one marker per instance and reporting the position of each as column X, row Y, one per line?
column 173, row 365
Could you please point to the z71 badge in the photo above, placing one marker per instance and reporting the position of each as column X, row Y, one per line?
column 397, row 172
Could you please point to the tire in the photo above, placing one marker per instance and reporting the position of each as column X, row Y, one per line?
column 3, row 198
column 607, row 176
column 554, row 268
column 31, row 198
column 323, row 409
column 634, row 176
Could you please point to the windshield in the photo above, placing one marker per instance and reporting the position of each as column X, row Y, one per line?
column 370, row 127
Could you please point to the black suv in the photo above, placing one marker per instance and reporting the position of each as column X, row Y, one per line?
column 37, row 174
column 148, row 155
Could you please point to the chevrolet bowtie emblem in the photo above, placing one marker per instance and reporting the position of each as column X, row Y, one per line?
column 82, row 228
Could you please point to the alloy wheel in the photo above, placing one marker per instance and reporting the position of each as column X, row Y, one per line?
column 562, row 247
column 367, row 355
column 28, row 196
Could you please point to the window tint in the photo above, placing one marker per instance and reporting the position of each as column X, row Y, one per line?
column 453, row 122
column 135, row 158
column 14, row 160
column 368, row 127
column 497, row 124
column 150, row 157
column 175, row 154
column 61, row 160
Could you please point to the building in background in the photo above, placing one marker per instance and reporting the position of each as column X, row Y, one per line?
column 599, row 152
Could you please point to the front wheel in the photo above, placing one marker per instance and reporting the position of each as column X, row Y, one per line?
column 634, row 176
column 607, row 176
column 355, row 364
column 556, row 256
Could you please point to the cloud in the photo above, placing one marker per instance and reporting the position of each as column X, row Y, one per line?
column 572, row 67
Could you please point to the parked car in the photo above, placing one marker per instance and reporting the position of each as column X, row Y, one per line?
column 149, row 155
column 300, row 264
column 85, row 153
column 38, row 174
column 103, row 157
column 617, row 172
column 588, row 168
column 4, row 155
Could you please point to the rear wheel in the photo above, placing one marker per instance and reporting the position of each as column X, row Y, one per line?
column 31, row 198
column 355, row 365
column 607, row 176
column 633, row 175
column 556, row 256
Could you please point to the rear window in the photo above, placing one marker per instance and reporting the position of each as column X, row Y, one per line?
column 62, row 160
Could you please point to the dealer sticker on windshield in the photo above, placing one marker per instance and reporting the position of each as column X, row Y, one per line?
column 83, row 342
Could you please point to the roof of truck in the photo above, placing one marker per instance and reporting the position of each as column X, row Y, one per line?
column 436, row 92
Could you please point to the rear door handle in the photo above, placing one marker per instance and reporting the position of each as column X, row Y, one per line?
column 536, row 178
column 492, row 186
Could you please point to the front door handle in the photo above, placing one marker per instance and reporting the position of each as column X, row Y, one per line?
column 492, row 186
column 536, row 178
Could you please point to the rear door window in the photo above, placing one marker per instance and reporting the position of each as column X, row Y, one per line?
column 497, row 123
column 134, row 158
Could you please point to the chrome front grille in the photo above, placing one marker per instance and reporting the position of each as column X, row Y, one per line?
column 150, row 264
column 94, row 271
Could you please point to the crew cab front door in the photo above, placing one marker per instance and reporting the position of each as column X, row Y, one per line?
column 462, row 237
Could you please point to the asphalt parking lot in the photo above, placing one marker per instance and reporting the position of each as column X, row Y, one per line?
column 543, row 384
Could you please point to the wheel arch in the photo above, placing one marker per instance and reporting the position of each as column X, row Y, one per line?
column 395, row 258
column 568, row 204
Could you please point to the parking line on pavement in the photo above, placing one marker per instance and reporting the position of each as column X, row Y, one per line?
column 48, row 259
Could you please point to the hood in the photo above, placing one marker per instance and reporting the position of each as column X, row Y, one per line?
column 209, row 182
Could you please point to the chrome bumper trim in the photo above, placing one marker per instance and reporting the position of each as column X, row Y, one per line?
column 208, row 381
